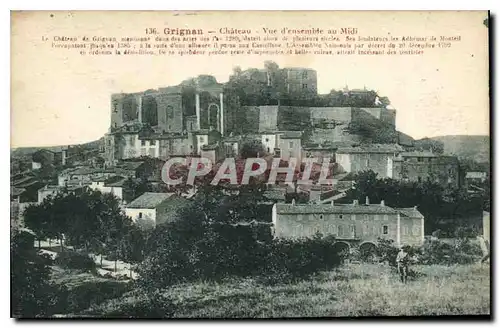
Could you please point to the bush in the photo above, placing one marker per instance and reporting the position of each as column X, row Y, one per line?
column 139, row 305
column 81, row 297
column 289, row 260
column 387, row 251
column 230, row 251
column 439, row 252
column 75, row 261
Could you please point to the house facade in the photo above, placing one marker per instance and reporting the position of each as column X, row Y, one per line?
column 353, row 224
column 151, row 209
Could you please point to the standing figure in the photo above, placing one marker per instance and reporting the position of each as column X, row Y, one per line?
column 485, row 248
column 402, row 260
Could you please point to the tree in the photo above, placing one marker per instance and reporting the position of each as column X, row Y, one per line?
column 134, row 188
column 31, row 295
column 252, row 149
column 90, row 220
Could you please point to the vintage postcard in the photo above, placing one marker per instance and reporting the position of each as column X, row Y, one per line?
column 247, row 164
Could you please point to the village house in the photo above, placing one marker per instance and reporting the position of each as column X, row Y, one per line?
column 473, row 181
column 425, row 166
column 151, row 209
column 112, row 185
column 83, row 176
column 367, row 157
column 353, row 224
column 50, row 190
column 283, row 144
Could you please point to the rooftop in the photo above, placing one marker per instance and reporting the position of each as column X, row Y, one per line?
column 149, row 200
column 373, row 148
column 291, row 135
column 419, row 154
column 335, row 209
column 475, row 175
column 410, row 212
column 346, row 209
column 16, row 191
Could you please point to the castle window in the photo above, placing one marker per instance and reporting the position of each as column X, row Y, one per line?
column 304, row 86
column 267, row 139
column 143, row 142
column 419, row 159
column 340, row 230
column 290, row 144
column 385, row 230
column 321, row 216
column 406, row 231
column 304, row 75
column 340, row 216
column 152, row 142
column 140, row 215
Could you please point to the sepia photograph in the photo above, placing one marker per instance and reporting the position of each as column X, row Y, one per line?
column 250, row 165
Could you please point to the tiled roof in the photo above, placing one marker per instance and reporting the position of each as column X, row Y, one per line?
column 418, row 154
column 475, row 175
column 210, row 147
column 336, row 209
column 130, row 165
column 410, row 212
column 374, row 148
column 116, row 181
column 275, row 194
column 291, row 135
column 16, row 191
column 149, row 200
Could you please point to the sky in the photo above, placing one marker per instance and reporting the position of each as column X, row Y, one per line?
column 59, row 97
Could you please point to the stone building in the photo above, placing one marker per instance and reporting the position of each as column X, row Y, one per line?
column 425, row 166
column 486, row 225
column 320, row 152
column 373, row 157
column 300, row 80
column 354, row 224
column 283, row 144
column 151, row 209
column 165, row 122
column 112, row 185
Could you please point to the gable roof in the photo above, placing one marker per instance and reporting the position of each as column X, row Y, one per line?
column 410, row 212
column 372, row 148
column 149, row 200
column 475, row 175
column 336, row 209
column 291, row 135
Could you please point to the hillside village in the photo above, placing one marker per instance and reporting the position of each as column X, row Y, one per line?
column 353, row 130
column 108, row 199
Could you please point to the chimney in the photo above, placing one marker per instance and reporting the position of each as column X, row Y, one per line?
column 415, row 208
column 332, row 203
column 382, row 203
column 355, row 202
column 367, row 201
column 293, row 201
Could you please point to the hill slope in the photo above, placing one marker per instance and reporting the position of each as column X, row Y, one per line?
column 475, row 148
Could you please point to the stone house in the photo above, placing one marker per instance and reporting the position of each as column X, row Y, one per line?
column 373, row 157
column 352, row 224
column 425, row 166
column 151, row 209
column 112, row 185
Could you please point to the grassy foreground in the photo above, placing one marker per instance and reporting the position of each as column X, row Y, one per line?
column 352, row 290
